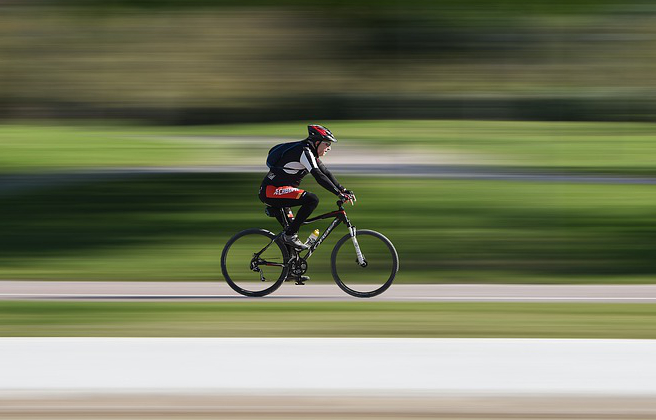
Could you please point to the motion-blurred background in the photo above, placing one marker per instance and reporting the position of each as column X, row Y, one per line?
column 205, row 61
column 133, row 134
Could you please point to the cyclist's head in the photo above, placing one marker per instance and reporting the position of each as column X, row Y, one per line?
column 319, row 133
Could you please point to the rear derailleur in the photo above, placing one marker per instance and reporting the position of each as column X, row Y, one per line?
column 255, row 266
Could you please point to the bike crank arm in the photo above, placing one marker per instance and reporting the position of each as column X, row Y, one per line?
column 361, row 260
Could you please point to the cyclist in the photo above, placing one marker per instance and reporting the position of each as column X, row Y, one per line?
column 289, row 163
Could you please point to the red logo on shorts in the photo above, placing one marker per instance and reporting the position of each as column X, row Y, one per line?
column 285, row 190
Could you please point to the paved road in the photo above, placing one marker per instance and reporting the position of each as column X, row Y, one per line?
column 219, row 291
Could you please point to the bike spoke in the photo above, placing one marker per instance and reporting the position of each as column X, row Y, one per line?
column 372, row 277
column 252, row 263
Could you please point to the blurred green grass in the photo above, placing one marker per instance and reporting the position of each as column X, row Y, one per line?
column 173, row 227
column 619, row 148
column 327, row 319
column 45, row 148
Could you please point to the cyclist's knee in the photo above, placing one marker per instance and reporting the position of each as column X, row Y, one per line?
column 310, row 199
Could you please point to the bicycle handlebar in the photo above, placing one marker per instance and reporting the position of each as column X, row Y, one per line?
column 352, row 199
column 341, row 203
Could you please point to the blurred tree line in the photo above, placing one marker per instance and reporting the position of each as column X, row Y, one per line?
column 202, row 61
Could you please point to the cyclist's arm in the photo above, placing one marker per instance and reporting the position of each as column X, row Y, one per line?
column 329, row 174
column 310, row 163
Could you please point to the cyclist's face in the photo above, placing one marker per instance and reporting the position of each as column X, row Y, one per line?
column 323, row 147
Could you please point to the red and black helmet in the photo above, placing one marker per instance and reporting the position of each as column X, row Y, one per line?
column 319, row 133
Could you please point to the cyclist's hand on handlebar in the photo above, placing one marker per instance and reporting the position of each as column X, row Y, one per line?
column 347, row 195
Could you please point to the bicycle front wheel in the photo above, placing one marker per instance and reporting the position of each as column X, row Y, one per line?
column 376, row 276
column 253, row 264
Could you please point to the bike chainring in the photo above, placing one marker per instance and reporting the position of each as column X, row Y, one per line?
column 298, row 266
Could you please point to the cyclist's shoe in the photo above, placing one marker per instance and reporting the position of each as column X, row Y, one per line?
column 292, row 240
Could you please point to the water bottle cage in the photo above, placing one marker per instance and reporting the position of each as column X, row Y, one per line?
column 310, row 242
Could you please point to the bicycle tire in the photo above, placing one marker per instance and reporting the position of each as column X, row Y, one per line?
column 393, row 269
column 235, row 285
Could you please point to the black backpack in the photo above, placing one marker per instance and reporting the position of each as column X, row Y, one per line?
column 277, row 151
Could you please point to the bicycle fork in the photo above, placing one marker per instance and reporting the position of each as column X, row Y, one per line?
column 362, row 262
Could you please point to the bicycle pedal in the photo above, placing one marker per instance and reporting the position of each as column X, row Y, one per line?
column 300, row 281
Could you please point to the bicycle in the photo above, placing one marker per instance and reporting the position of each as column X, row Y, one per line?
column 255, row 262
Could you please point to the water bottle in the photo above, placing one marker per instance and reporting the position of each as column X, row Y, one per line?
column 312, row 238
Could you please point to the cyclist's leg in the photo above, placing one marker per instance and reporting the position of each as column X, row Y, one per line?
column 280, row 207
column 287, row 196
column 284, row 216
column 309, row 202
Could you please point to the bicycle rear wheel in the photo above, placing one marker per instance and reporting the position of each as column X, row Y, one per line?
column 382, row 264
column 250, row 274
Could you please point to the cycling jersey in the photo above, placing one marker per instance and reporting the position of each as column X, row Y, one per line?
column 297, row 162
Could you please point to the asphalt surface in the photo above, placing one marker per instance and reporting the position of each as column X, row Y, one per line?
column 219, row 291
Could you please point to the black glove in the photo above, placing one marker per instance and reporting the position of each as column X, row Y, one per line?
column 347, row 195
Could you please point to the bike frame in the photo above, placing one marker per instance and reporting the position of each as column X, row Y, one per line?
column 340, row 217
